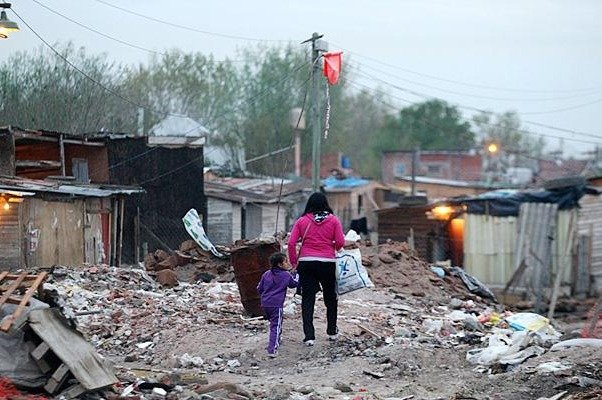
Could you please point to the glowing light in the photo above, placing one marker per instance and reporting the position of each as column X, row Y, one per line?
column 6, row 206
column 492, row 148
column 442, row 212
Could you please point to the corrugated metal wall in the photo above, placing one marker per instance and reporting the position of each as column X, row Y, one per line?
column 490, row 244
column 10, row 238
column 590, row 225
column 219, row 220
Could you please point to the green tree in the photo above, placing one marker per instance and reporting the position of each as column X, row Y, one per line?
column 506, row 130
column 431, row 125
column 41, row 91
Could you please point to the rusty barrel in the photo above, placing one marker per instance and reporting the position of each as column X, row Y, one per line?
column 250, row 261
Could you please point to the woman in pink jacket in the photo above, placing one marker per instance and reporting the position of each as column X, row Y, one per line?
column 321, row 235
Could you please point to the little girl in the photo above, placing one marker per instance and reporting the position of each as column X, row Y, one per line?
column 272, row 290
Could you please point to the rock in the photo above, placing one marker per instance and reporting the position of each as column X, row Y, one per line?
column 233, row 363
column 373, row 374
column 305, row 389
column 181, row 258
column 161, row 255
column 187, row 361
column 204, row 277
column 159, row 392
column 279, row 392
column 188, row 245
column 167, row 278
column 150, row 262
column 131, row 358
column 170, row 262
column 343, row 387
column 387, row 259
column 455, row 303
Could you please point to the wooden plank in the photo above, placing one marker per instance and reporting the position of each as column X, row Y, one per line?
column 9, row 291
column 38, row 355
column 6, row 324
column 72, row 349
column 3, row 275
column 57, row 379
column 72, row 393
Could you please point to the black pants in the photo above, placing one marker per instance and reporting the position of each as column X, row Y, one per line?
column 312, row 275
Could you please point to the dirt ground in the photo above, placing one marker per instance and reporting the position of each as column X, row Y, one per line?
column 397, row 340
column 418, row 367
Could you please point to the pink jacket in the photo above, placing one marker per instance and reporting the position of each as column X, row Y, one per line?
column 322, row 239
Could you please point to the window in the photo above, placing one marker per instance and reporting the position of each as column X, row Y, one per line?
column 400, row 169
column 80, row 170
column 433, row 169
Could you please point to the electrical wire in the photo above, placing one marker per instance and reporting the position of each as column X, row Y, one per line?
column 129, row 44
column 426, row 96
column 285, row 166
column 91, row 79
column 409, row 102
column 457, row 82
column 471, row 108
column 189, row 28
column 573, row 96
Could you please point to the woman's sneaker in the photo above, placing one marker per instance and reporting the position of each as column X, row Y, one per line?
column 309, row 343
column 335, row 336
column 273, row 355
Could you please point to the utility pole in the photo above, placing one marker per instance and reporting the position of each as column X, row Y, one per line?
column 317, row 46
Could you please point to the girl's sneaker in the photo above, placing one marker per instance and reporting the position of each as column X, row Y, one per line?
column 309, row 343
column 273, row 355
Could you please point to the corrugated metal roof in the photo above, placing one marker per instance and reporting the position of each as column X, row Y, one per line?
column 30, row 187
column 333, row 182
column 257, row 190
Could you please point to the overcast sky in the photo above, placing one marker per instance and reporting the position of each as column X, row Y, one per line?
column 534, row 56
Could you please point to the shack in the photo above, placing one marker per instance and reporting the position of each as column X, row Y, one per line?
column 353, row 200
column 239, row 208
column 45, row 223
column 525, row 238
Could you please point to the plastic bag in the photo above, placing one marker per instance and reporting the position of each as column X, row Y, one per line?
column 351, row 274
column 194, row 227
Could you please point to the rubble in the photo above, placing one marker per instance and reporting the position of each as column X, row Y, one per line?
column 194, row 340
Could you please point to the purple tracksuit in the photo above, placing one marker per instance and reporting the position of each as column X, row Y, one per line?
column 272, row 290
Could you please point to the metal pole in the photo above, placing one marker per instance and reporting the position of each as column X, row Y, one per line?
column 414, row 164
column 297, row 152
column 315, row 154
column 62, row 151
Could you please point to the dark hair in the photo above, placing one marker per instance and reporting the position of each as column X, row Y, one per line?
column 276, row 259
column 317, row 202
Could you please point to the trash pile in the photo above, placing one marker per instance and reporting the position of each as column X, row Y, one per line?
column 39, row 350
column 188, row 264
column 394, row 265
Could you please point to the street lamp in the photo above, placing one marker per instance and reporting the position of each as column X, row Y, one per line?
column 6, row 25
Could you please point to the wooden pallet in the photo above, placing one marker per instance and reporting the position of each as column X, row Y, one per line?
column 18, row 289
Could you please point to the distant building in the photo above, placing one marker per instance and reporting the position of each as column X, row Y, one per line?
column 449, row 165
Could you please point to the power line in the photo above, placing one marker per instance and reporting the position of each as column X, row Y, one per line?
column 107, row 89
column 126, row 43
column 189, row 28
column 457, row 82
column 474, row 95
column 426, row 96
column 471, row 108
column 91, row 79
column 563, row 109
column 360, row 86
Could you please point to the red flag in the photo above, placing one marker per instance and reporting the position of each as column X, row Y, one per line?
column 332, row 66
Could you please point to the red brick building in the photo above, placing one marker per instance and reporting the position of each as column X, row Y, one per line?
column 451, row 165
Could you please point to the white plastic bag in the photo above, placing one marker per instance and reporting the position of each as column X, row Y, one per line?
column 194, row 227
column 351, row 274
